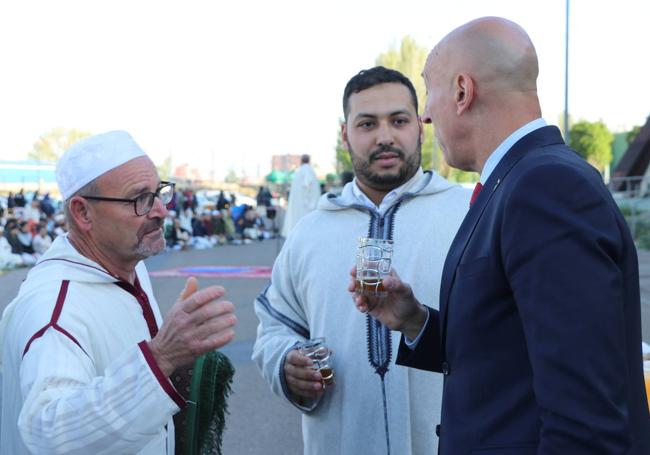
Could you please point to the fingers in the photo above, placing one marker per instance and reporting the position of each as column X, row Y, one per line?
column 307, row 389
column 218, row 339
column 210, row 335
column 301, row 377
column 295, row 358
column 200, row 298
column 395, row 285
column 361, row 302
column 353, row 279
column 191, row 286
column 219, row 323
column 211, row 310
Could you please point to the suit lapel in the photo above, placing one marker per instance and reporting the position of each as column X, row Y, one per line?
column 538, row 138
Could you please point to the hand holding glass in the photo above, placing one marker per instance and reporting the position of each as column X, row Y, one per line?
column 374, row 258
column 316, row 350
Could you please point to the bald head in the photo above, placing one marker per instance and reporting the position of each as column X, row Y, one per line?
column 495, row 52
column 482, row 85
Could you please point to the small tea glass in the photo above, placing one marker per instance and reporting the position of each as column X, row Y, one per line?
column 320, row 355
column 374, row 258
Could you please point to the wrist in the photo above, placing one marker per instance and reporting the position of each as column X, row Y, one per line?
column 165, row 366
column 414, row 325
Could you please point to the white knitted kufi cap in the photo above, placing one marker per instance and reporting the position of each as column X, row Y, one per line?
column 94, row 156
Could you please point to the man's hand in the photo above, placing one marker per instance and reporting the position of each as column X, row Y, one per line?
column 399, row 310
column 303, row 380
column 197, row 323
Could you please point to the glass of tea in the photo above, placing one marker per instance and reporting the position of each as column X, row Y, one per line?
column 374, row 258
column 320, row 355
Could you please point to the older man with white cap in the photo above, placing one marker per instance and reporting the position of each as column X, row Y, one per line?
column 85, row 355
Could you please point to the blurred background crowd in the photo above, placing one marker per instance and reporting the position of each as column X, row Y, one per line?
column 30, row 221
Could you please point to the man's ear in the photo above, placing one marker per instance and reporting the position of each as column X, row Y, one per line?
column 464, row 92
column 344, row 135
column 421, row 129
column 80, row 213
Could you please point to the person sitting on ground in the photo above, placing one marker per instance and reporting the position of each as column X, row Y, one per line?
column 253, row 225
column 46, row 205
column 13, row 234
column 219, row 227
column 179, row 238
column 32, row 212
column 25, row 238
column 8, row 259
column 42, row 241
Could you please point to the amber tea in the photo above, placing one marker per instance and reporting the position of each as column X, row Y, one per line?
column 370, row 286
column 328, row 375
column 374, row 257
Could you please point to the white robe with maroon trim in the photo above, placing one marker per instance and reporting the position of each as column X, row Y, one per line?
column 77, row 376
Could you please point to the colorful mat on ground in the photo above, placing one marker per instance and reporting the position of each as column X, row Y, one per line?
column 216, row 272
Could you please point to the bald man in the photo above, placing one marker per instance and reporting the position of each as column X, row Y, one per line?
column 538, row 334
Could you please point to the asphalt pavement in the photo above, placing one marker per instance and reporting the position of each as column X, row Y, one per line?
column 259, row 422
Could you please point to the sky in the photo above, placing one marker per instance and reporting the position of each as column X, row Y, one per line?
column 226, row 85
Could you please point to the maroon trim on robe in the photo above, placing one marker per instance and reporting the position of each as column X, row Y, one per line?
column 54, row 321
column 75, row 262
column 160, row 376
column 142, row 298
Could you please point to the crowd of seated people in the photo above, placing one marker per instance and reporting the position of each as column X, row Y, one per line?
column 29, row 224
column 238, row 225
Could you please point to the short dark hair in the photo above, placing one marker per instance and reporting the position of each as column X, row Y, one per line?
column 366, row 79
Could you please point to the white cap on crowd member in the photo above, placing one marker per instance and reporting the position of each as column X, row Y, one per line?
column 94, row 156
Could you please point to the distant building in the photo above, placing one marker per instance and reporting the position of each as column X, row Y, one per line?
column 285, row 163
column 29, row 175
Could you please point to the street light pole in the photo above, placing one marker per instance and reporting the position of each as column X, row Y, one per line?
column 566, row 76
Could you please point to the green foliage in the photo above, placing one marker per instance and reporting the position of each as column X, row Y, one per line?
column 593, row 141
column 638, row 220
column 409, row 60
column 343, row 160
column 165, row 169
column 51, row 145
column 231, row 177
column 632, row 134
column 642, row 235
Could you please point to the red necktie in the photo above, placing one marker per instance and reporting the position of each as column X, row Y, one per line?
column 477, row 189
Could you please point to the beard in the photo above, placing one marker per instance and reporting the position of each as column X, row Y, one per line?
column 389, row 179
column 149, row 245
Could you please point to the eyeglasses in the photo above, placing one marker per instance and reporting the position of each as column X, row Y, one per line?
column 143, row 203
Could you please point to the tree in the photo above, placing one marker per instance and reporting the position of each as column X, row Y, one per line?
column 51, row 145
column 593, row 141
column 165, row 169
column 560, row 123
column 343, row 160
column 231, row 177
column 409, row 60
column 632, row 134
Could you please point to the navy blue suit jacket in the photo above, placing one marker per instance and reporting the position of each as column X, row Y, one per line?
column 539, row 332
